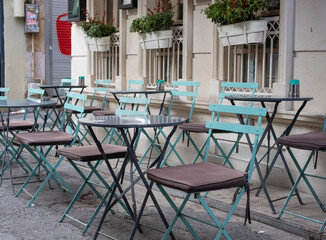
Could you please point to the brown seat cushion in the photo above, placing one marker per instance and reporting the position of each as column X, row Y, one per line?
column 19, row 125
column 45, row 138
column 199, row 127
column 307, row 141
column 198, row 177
column 91, row 153
column 103, row 113
column 87, row 109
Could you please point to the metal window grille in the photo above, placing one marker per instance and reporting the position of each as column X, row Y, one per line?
column 106, row 64
column 256, row 62
column 165, row 64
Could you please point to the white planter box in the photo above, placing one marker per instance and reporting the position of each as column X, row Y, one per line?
column 98, row 44
column 156, row 40
column 243, row 33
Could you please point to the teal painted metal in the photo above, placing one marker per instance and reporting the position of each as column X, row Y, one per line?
column 304, row 176
column 87, row 182
column 133, row 83
column 34, row 91
column 241, row 110
column 114, row 137
column 103, row 90
column 248, row 88
column 179, row 92
column 41, row 157
column 256, row 132
column 131, row 101
column 191, row 93
column 5, row 92
column 231, row 127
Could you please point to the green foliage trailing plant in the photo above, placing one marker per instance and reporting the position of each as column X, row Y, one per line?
column 161, row 18
column 227, row 12
column 96, row 27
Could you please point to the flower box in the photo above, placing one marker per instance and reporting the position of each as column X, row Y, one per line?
column 98, row 44
column 243, row 33
column 156, row 40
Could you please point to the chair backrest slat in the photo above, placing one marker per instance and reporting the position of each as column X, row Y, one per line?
column 248, row 88
column 5, row 93
column 34, row 93
column 133, row 83
column 233, row 127
column 134, row 110
column 236, row 109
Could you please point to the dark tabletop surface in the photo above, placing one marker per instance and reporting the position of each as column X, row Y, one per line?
column 266, row 98
column 141, row 92
column 124, row 121
column 22, row 103
column 61, row 86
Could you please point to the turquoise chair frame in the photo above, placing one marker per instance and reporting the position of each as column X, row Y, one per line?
column 33, row 94
column 97, row 89
column 214, row 123
column 87, row 181
column 115, row 138
column 131, row 101
column 248, row 88
column 132, row 83
column 10, row 148
column 40, row 156
column 192, row 94
column 64, row 82
column 304, row 176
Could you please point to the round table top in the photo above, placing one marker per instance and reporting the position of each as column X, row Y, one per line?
column 132, row 121
column 23, row 103
column 63, row 86
column 266, row 98
column 141, row 92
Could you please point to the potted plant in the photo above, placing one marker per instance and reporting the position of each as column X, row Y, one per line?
column 98, row 33
column 237, row 21
column 154, row 28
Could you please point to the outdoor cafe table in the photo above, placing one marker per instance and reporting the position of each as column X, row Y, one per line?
column 122, row 123
column 56, row 88
column 14, row 104
column 276, row 100
column 146, row 93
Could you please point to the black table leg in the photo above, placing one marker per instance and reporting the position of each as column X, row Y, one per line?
column 149, row 186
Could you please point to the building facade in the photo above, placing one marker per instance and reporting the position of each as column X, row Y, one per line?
column 295, row 49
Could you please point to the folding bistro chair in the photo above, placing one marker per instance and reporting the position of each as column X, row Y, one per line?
column 314, row 142
column 60, row 99
column 101, row 87
column 207, row 176
column 133, row 85
column 16, row 126
column 32, row 140
column 175, row 94
column 93, row 157
column 228, row 88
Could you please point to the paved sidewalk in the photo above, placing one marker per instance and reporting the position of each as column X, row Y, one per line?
column 41, row 220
